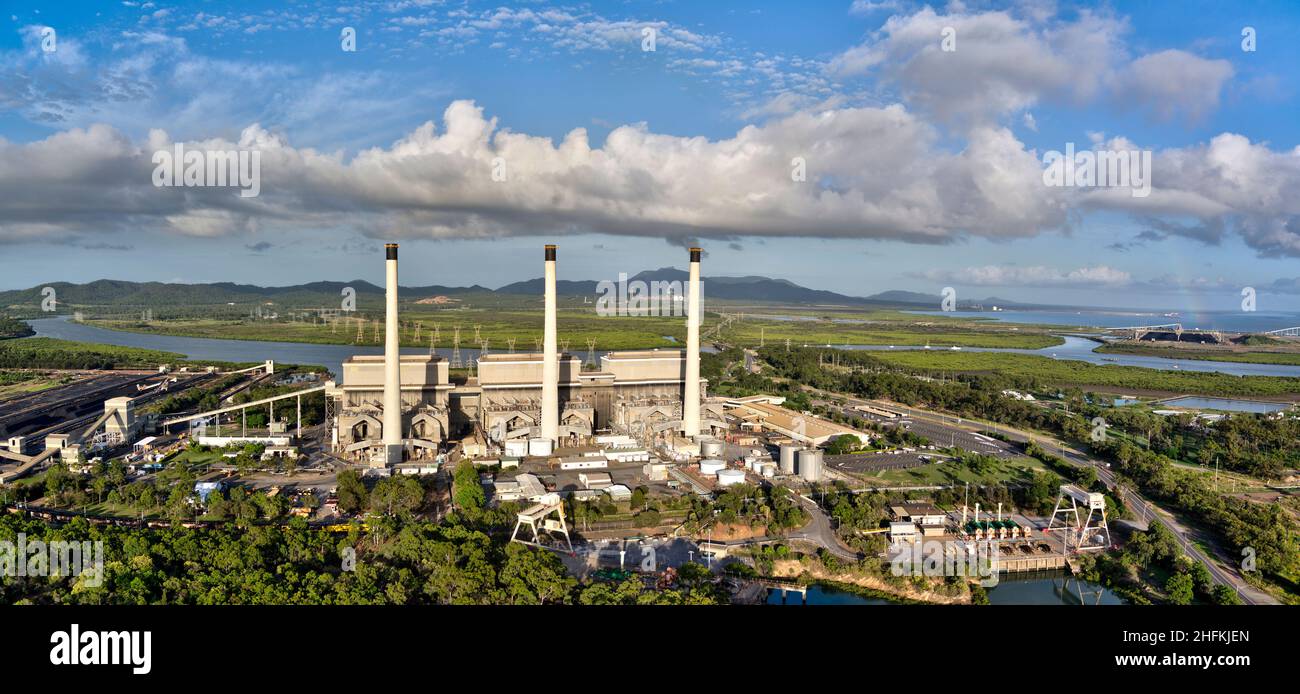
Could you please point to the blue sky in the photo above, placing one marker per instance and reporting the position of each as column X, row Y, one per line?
column 923, row 165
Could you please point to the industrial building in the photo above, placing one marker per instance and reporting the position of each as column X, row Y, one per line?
column 404, row 407
column 766, row 413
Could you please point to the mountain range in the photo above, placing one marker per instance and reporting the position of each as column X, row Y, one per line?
column 747, row 288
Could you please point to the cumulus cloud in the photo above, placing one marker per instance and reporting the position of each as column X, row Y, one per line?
column 1228, row 182
column 1031, row 276
column 1005, row 62
column 1174, row 82
column 1002, row 63
column 871, row 172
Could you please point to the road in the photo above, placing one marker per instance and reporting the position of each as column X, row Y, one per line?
column 1183, row 535
column 820, row 531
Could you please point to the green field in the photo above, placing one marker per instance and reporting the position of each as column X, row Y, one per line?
column 1067, row 372
column 953, row 473
column 48, row 353
column 12, row 327
column 578, row 324
column 1282, row 358
column 14, row 383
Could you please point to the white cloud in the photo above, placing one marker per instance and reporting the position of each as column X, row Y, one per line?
column 1174, row 82
column 1009, row 61
column 872, row 173
column 1032, row 276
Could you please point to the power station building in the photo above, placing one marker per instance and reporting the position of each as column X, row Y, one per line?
column 650, row 394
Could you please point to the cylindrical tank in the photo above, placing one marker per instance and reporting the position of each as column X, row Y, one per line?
column 539, row 446
column 710, row 448
column 711, row 466
column 726, row 478
column 810, row 465
column 768, row 469
column 788, row 451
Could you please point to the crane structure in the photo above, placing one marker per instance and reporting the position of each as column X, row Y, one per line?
column 1084, row 531
column 539, row 514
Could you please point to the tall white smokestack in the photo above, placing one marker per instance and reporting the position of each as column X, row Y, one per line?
column 392, row 363
column 550, row 359
column 691, row 392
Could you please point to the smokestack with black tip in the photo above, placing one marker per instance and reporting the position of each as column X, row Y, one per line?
column 691, row 391
column 392, row 363
column 550, row 358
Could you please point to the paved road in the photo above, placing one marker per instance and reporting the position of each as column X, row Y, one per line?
column 1183, row 535
column 821, row 531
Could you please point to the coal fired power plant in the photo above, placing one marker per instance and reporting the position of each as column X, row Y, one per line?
column 399, row 409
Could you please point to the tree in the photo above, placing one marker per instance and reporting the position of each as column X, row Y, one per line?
column 179, row 506
column 467, row 493
column 535, row 577
column 1225, row 595
column 351, row 491
column 397, row 496
column 844, row 443
column 1179, row 587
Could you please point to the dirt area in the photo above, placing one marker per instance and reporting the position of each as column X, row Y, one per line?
column 792, row 568
column 727, row 533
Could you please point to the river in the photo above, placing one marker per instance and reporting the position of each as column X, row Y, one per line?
column 332, row 356
column 1051, row 588
column 1081, row 349
column 1226, row 321
column 202, row 348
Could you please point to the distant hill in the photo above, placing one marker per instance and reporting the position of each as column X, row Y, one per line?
column 747, row 288
column 123, row 293
column 750, row 288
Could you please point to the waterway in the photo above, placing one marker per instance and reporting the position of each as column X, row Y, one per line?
column 1081, row 349
column 202, row 348
column 1227, row 321
column 1050, row 588
column 1225, row 404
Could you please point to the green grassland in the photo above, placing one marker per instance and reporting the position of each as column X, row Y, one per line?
column 48, row 353
column 15, row 383
column 1067, row 372
column 578, row 324
column 1254, row 357
column 12, row 327
column 1019, row 469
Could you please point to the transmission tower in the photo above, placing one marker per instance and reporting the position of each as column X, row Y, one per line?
column 361, row 331
column 418, row 325
column 564, row 346
column 455, row 349
column 483, row 348
column 537, row 341
column 591, row 351
column 477, row 337
column 510, row 343
column 787, row 344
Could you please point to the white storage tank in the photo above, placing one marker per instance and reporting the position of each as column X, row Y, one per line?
column 711, row 448
column 788, row 451
column 539, row 447
column 810, row 465
column 516, row 448
column 726, row 478
column 711, row 466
